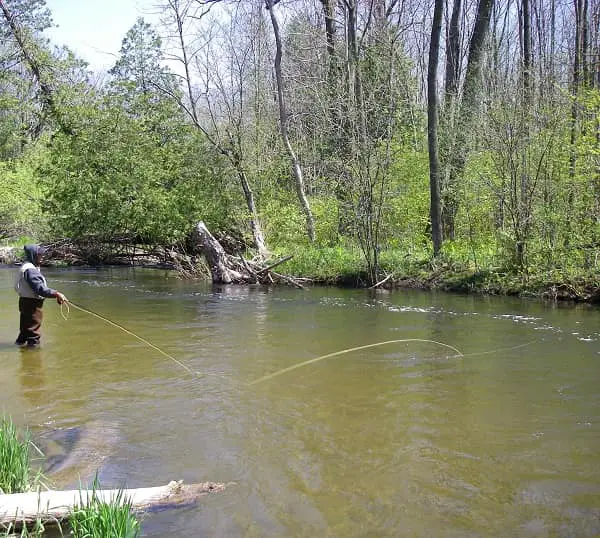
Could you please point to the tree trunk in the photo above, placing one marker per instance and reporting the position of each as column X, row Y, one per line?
column 432, row 127
column 468, row 109
column 230, row 269
column 330, row 31
column 575, row 85
column 333, row 77
column 233, row 153
column 50, row 507
column 217, row 259
column 527, row 57
column 283, row 120
column 526, row 104
column 451, row 94
column 453, row 52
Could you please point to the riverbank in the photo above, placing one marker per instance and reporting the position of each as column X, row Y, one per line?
column 338, row 267
column 547, row 287
column 542, row 286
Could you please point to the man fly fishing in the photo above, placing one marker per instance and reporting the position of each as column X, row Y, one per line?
column 32, row 289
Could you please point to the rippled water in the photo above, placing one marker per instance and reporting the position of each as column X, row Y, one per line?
column 404, row 439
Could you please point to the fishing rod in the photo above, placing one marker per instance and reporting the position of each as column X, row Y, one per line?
column 69, row 303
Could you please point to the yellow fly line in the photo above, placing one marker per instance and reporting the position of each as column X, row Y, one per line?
column 91, row 313
column 350, row 350
column 289, row 368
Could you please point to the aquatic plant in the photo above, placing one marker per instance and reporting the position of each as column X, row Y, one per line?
column 97, row 518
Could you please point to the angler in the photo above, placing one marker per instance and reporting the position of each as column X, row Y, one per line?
column 32, row 289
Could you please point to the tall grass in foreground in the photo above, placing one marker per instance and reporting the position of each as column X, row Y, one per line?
column 96, row 518
column 15, row 459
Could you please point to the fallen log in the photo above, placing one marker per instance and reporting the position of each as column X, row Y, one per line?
column 25, row 509
column 223, row 268
column 235, row 269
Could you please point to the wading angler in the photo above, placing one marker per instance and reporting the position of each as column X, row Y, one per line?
column 32, row 289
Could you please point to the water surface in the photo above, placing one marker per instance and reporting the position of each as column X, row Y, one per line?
column 399, row 440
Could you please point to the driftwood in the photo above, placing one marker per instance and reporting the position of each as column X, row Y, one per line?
column 25, row 509
column 229, row 269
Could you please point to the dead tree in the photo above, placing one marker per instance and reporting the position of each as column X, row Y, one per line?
column 235, row 269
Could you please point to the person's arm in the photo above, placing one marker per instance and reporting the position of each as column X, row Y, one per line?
column 35, row 280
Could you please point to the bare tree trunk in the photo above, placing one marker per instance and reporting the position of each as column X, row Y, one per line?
column 432, row 127
column 283, row 120
column 333, row 76
column 451, row 100
column 230, row 269
column 576, row 82
column 526, row 103
column 329, row 7
column 453, row 52
column 217, row 259
column 527, row 57
column 231, row 151
column 468, row 110
column 179, row 19
column 257, row 233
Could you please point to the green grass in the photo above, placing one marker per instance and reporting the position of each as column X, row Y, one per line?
column 15, row 459
column 96, row 518
column 323, row 264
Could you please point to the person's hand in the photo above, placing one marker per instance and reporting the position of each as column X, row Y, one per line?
column 60, row 298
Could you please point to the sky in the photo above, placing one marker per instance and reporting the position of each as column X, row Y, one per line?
column 94, row 29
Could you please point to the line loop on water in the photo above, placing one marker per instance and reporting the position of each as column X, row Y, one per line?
column 350, row 350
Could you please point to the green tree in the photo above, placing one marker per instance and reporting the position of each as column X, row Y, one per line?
column 134, row 169
column 121, row 178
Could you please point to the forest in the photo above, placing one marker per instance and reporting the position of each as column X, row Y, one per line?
column 452, row 144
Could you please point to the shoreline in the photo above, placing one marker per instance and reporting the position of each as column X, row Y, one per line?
column 483, row 283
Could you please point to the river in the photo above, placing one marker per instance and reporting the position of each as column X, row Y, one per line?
column 403, row 439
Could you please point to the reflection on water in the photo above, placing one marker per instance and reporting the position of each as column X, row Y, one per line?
column 32, row 375
column 399, row 440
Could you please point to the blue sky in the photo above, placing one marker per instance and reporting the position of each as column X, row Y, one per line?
column 94, row 29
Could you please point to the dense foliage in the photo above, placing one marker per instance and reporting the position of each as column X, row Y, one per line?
column 145, row 152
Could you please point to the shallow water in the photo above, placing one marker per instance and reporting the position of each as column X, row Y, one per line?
column 404, row 439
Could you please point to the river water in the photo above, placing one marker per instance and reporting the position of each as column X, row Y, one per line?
column 405, row 439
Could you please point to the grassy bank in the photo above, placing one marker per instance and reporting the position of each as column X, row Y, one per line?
column 345, row 267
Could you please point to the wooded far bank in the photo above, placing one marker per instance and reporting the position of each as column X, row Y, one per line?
column 448, row 144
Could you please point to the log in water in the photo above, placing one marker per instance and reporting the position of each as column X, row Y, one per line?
column 24, row 509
